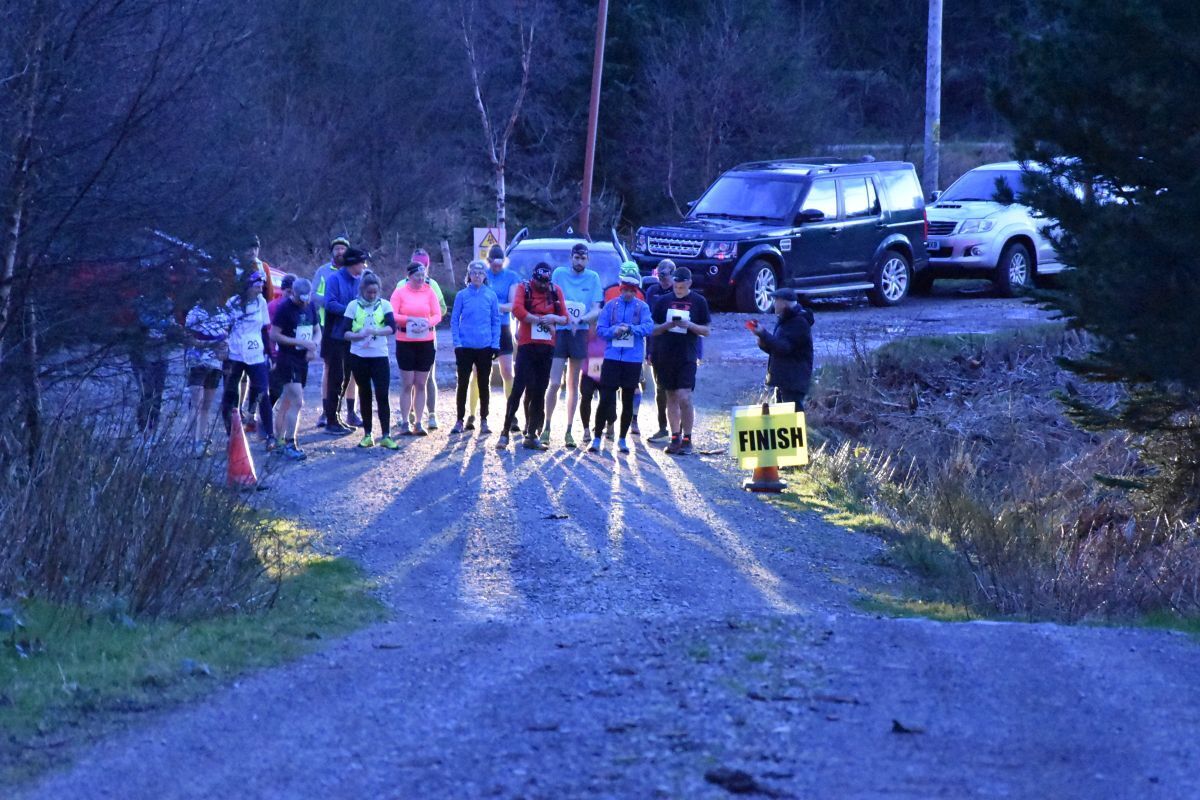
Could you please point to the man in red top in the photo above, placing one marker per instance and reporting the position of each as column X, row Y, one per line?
column 250, row 262
column 538, row 306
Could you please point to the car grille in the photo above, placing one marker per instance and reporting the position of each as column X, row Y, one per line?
column 674, row 246
column 939, row 227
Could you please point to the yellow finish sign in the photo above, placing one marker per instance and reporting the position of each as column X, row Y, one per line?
column 777, row 438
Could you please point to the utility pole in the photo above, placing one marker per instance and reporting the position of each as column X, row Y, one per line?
column 589, row 155
column 933, row 98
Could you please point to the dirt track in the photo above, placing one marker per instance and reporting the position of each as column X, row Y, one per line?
column 568, row 625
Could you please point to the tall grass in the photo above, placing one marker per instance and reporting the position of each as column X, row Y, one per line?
column 961, row 443
column 104, row 516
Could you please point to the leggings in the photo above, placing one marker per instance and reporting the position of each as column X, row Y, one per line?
column 617, row 375
column 259, row 375
column 372, row 374
column 532, row 375
column 336, row 353
column 480, row 360
column 588, row 387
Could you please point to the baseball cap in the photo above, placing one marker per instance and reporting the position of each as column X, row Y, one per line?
column 681, row 274
column 630, row 280
column 355, row 256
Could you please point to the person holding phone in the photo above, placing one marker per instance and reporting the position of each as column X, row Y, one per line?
column 680, row 318
column 417, row 313
column 371, row 321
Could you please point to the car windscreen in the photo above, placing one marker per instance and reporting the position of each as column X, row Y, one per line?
column 749, row 197
column 1002, row 186
column 604, row 260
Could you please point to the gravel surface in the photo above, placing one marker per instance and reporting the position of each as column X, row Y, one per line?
column 572, row 625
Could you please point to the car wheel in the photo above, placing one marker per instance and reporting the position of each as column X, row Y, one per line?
column 893, row 277
column 754, row 288
column 1014, row 273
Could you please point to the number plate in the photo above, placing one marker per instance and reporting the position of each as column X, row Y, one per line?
column 933, row 245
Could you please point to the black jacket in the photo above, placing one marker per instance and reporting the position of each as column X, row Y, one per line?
column 790, row 351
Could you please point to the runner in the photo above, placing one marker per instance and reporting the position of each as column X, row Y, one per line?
column 371, row 322
column 612, row 293
column 538, row 305
column 337, row 248
column 663, row 286
column 418, row 312
column 249, row 262
column 624, row 323
column 247, row 357
column 207, row 325
column 503, row 282
column 589, row 384
column 475, row 327
column 584, row 294
column 293, row 329
column 420, row 256
column 681, row 319
column 341, row 289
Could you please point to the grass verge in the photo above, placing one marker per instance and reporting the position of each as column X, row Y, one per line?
column 67, row 670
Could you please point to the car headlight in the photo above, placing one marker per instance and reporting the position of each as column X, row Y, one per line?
column 720, row 250
column 977, row 226
column 640, row 243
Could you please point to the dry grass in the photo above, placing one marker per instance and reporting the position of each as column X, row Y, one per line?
column 962, row 444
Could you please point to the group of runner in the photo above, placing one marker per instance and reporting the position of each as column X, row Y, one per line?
column 567, row 328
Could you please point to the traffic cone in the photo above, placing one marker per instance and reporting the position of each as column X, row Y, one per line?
column 241, row 466
column 764, row 479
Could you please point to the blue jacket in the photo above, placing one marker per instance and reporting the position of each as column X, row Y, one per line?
column 340, row 289
column 634, row 313
column 475, row 319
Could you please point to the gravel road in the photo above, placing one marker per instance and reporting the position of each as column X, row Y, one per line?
column 570, row 625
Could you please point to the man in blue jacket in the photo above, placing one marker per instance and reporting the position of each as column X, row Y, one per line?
column 624, row 323
column 340, row 289
column 475, row 329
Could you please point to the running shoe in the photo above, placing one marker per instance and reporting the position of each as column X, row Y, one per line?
column 484, row 430
column 404, row 430
column 622, row 446
column 595, row 446
column 544, row 439
column 470, row 426
column 294, row 453
column 661, row 433
column 336, row 428
column 570, row 441
column 432, row 422
column 272, row 444
column 459, row 428
column 532, row 443
column 502, row 442
column 389, row 443
column 674, row 446
column 353, row 419
column 686, row 448
column 634, row 428
column 367, row 441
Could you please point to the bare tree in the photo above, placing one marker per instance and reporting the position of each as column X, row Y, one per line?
column 496, row 138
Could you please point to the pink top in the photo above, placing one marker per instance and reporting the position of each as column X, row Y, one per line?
column 408, row 301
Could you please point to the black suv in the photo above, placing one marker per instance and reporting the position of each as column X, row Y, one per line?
column 819, row 225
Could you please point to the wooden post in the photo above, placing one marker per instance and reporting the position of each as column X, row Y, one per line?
column 933, row 99
column 589, row 157
column 448, row 263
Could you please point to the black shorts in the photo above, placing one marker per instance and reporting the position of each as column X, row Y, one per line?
column 290, row 370
column 415, row 356
column 208, row 377
column 571, row 345
column 620, row 374
column 506, row 342
column 673, row 374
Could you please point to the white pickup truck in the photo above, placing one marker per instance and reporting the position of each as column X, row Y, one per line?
column 977, row 231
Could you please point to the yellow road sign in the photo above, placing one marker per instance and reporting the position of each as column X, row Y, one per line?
column 485, row 238
column 778, row 438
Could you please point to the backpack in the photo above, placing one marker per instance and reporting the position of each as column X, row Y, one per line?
column 553, row 294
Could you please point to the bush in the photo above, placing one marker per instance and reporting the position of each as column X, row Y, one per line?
column 962, row 444
column 104, row 517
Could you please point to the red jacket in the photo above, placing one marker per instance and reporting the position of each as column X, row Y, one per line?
column 539, row 303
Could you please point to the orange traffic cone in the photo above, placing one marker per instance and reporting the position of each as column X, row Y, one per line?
column 241, row 466
column 764, row 479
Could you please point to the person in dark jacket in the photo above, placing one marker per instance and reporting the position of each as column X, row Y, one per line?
column 789, row 348
column 340, row 290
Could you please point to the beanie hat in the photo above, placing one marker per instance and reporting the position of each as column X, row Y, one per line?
column 342, row 240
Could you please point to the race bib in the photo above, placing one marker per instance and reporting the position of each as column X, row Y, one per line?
column 304, row 333
column 595, row 367
column 575, row 310
column 623, row 340
column 679, row 314
column 252, row 347
column 541, row 332
column 418, row 326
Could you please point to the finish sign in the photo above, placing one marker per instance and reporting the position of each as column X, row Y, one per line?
column 769, row 436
